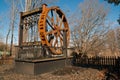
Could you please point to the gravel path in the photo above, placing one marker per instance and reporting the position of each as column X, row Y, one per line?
column 68, row 73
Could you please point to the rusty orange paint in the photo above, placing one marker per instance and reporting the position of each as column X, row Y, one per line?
column 42, row 28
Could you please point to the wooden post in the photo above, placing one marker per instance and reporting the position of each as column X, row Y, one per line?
column 20, row 30
column 20, row 35
column 65, row 45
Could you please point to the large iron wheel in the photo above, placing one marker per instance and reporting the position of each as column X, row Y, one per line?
column 51, row 25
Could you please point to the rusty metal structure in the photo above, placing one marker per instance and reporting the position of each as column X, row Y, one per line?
column 51, row 24
column 43, row 39
column 42, row 31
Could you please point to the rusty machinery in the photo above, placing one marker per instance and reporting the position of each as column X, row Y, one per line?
column 44, row 26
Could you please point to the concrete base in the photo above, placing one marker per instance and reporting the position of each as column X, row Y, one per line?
column 40, row 66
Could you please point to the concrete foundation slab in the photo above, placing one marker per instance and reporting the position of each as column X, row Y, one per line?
column 35, row 67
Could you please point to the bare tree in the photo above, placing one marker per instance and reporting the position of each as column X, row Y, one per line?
column 13, row 15
column 32, row 4
column 111, row 42
column 1, row 38
column 89, row 26
column 38, row 3
column 117, row 39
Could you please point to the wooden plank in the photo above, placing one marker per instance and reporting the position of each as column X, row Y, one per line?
column 37, row 10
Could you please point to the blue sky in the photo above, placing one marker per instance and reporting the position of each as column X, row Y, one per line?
column 65, row 5
column 4, row 6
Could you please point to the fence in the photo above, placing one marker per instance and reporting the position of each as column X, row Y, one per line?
column 97, row 62
column 6, row 61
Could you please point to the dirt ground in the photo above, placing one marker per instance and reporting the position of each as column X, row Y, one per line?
column 7, row 72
